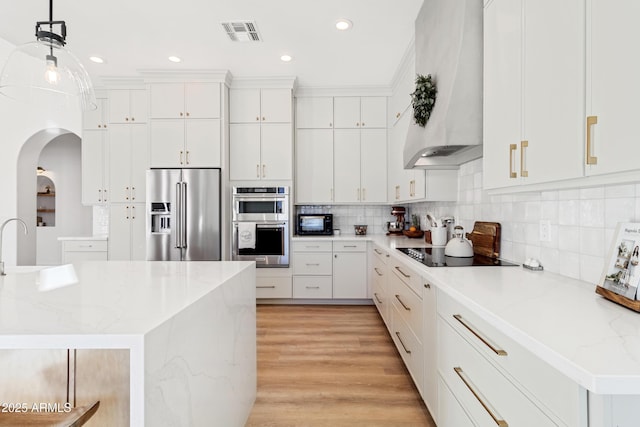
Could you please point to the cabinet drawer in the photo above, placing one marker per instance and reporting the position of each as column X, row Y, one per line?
column 71, row 257
column 480, row 388
column 312, row 246
column 380, row 255
column 84, row 245
column 350, row 246
column 312, row 287
column 450, row 413
column 553, row 391
column 310, row 263
column 381, row 300
column 273, row 287
column 408, row 304
column 407, row 275
column 409, row 347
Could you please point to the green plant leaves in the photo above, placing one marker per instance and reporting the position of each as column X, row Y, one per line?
column 423, row 98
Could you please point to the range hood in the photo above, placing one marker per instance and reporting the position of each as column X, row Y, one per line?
column 448, row 43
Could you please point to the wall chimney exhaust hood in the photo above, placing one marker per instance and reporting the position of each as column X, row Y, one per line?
column 448, row 43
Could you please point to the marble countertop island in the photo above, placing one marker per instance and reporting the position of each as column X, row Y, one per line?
column 189, row 328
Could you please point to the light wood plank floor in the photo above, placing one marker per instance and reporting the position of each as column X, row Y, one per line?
column 331, row 366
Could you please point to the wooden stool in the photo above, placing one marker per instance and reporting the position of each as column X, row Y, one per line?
column 74, row 418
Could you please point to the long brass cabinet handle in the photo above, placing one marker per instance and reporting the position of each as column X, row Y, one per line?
column 402, row 272
column 478, row 335
column 402, row 303
column 266, row 287
column 378, row 251
column 377, row 271
column 523, row 164
column 512, row 153
column 481, row 399
column 376, row 295
column 403, row 346
column 591, row 160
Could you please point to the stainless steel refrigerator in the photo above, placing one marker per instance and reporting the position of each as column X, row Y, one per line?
column 183, row 215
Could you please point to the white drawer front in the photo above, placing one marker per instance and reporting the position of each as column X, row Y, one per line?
column 381, row 254
column 311, row 246
column 71, row 257
column 480, row 388
column 85, row 245
column 312, row 287
column 408, row 346
column 407, row 275
column 381, row 300
column 309, row 263
column 408, row 304
column 350, row 246
column 273, row 287
column 554, row 391
column 450, row 413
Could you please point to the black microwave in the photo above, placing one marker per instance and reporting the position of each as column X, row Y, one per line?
column 315, row 224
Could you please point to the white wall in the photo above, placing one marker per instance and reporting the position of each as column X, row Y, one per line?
column 18, row 123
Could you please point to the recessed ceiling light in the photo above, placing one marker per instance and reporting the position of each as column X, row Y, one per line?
column 286, row 58
column 174, row 59
column 96, row 59
column 343, row 24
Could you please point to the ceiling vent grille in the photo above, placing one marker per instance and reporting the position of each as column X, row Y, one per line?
column 242, row 31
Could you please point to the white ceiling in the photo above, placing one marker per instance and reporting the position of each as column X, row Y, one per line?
column 136, row 35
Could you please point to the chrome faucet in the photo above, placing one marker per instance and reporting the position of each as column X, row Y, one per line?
column 2, row 273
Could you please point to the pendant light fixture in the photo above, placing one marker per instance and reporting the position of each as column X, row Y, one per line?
column 45, row 71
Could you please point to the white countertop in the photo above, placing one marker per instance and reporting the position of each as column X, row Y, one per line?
column 110, row 298
column 563, row 321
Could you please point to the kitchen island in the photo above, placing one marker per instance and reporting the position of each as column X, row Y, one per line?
column 189, row 328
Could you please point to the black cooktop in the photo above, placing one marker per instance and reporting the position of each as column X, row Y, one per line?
column 435, row 257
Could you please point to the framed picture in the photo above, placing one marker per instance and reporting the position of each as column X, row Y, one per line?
column 621, row 273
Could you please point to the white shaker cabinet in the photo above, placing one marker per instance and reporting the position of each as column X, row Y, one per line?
column 314, row 112
column 129, row 162
column 95, row 163
column 96, row 119
column 349, row 269
column 185, row 143
column 314, row 166
column 83, row 250
column 260, row 151
column 127, row 232
column 359, row 112
column 260, row 106
column 613, row 87
column 128, row 106
column 185, row 100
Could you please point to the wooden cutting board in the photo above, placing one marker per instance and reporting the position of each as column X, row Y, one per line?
column 485, row 238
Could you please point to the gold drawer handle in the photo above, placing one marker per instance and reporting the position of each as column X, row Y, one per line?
column 403, row 346
column 591, row 120
column 512, row 153
column 523, row 146
column 266, row 287
column 377, row 271
column 378, row 251
column 487, row 407
column 401, row 303
column 376, row 295
column 484, row 340
column 402, row 272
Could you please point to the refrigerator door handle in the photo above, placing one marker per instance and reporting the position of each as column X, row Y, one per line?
column 178, row 210
column 183, row 209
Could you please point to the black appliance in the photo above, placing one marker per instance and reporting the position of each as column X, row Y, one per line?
column 435, row 257
column 314, row 225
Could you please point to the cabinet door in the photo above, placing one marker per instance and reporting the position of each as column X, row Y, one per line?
column 450, row 413
column 119, row 111
column 139, row 151
column 96, row 119
column 346, row 112
column 93, row 167
column 502, row 120
column 430, row 344
column 275, row 105
column 314, row 112
column 167, row 143
column 373, row 112
column 138, row 232
column 349, row 275
column 277, row 151
column 120, row 232
column 120, row 165
column 554, row 70
column 202, row 100
column 373, row 165
column 401, row 98
column 346, row 163
column 314, row 166
column 139, row 106
column 166, row 100
column 202, row 143
column 244, row 151
column 612, row 84
column 244, row 105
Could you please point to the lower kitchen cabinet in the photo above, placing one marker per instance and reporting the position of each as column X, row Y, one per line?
column 379, row 282
column 449, row 410
column 430, row 346
column 83, row 250
column 312, row 287
column 127, row 232
column 349, row 270
column 272, row 286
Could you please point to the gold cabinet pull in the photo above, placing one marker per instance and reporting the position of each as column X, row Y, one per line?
column 377, row 271
column 264, row 170
column 127, row 214
column 478, row 335
column 376, row 295
column 591, row 120
column 258, row 171
column 512, row 153
column 181, row 114
column 364, row 194
column 403, row 346
column 480, row 398
column 523, row 146
column 188, row 114
column 257, row 119
column 126, row 119
column 378, row 251
column 263, row 119
column 126, row 191
column 104, row 126
column 187, row 157
column 133, row 119
column 133, row 212
column 402, row 303
column 181, row 156
column 397, row 115
column 266, row 287
column 133, row 193
column 99, row 195
column 104, row 192
column 402, row 272
column 427, row 286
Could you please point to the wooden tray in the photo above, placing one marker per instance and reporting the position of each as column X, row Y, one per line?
column 486, row 239
column 619, row 299
column 413, row 234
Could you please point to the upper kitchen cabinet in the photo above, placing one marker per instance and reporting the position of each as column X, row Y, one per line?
column 128, row 106
column 129, row 162
column 314, row 112
column 185, row 100
column 613, row 87
column 260, row 105
column 314, row 166
column 96, row 119
column 533, row 91
column 359, row 112
column 403, row 86
column 185, row 143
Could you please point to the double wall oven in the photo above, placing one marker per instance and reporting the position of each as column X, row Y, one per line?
column 261, row 225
